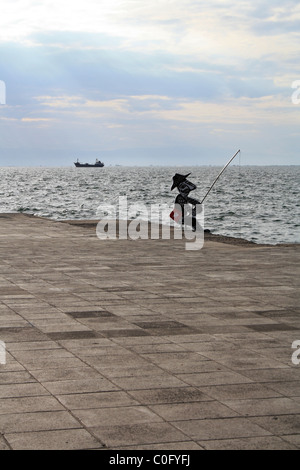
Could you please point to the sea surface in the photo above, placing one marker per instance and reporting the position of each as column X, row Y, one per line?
column 257, row 203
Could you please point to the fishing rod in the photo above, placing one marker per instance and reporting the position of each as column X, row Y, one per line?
column 222, row 171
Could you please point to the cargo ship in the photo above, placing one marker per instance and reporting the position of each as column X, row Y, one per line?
column 97, row 164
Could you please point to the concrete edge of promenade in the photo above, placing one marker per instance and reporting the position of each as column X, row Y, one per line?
column 208, row 234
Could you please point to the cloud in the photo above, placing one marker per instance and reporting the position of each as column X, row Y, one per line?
column 34, row 120
column 60, row 102
column 137, row 73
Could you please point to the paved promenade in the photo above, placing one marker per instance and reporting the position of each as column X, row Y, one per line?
column 144, row 345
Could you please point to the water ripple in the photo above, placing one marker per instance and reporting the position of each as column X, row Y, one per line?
column 260, row 204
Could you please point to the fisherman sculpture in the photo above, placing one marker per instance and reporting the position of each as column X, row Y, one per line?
column 186, row 208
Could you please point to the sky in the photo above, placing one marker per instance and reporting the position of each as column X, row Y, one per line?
column 149, row 82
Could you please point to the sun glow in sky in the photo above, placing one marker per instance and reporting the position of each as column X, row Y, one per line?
column 149, row 82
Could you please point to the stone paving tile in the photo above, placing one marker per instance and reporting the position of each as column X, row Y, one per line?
column 13, row 334
column 239, row 391
column 51, row 362
column 100, row 353
column 117, row 416
column 113, row 372
column 12, row 365
column 87, row 343
column 166, row 446
column 156, row 348
column 214, row 377
column 62, row 387
column 115, row 333
column 133, row 434
column 289, row 389
column 279, row 425
column 15, row 377
column 54, row 325
column 76, row 334
column 61, row 373
column 32, row 345
column 152, row 382
column 97, row 400
column 245, row 359
column 178, row 362
column 139, row 346
column 264, row 406
column 257, row 443
column 22, row 390
column 189, row 411
column 29, row 404
column 3, row 444
column 225, row 428
column 26, row 358
column 294, row 439
column 137, row 341
column 72, row 439
column 37, row 421
column 169, row 395
column 270, row 375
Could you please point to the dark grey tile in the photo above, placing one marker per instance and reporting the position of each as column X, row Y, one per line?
column 61, row 335
column 90, row 314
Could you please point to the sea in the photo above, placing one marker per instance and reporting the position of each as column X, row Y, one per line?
column 257, row 203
